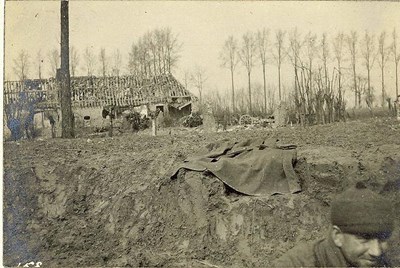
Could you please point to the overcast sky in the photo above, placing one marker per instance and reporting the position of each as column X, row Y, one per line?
column 201, row 27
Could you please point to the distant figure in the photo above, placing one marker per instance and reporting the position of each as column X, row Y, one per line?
column 20, row 118
column 27, row 115
column 53, row 117
column 361, row 223
column 13, row 122
column 24, row 112
column 15, row 127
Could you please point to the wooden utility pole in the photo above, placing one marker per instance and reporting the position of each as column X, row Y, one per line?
column 67, row 123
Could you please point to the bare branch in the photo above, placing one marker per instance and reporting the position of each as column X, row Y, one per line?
column 73, row 61
column 229, row 58
column 103, row 61
column 21, row 65
column 54, row 60
column 90, row 61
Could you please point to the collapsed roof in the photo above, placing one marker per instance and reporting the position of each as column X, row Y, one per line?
column 90, row 91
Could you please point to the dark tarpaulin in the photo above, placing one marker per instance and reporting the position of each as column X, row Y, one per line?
column 255, row 167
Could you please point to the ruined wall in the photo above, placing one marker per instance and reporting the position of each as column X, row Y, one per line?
column 96, row 119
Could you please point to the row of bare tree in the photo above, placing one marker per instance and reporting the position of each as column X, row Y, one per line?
column 320, row 77
column 156, row 52
column 323, row 67
column 24, row 64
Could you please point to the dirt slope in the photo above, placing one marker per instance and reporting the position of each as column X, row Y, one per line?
column 103, row 201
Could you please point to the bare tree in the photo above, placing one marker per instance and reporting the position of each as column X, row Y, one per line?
column 326, row 88
column 160, row 41
column 156, row 52
column 152, row 47
column 362, row 83
column 90, row 61
column 172, row 48
column 352, row 46
column 21, row 65
column 338, row 52
column 103, row 62
column 271, row 98
column 247, row 57
column 338, row 44
column 134, row 62
column 302, row 89
column 368, row 53
column 325, row 56
column 258, row 103
column 54, row 60
column 294, row 55
column 396, row 59
column 163, row 50
column 39, row 58
column 241, row 100
column 73, row 61
column 187, row 78
column 199, row 78
column 382, row 60
column 279, row 57
column 319, row 93
column 143, row 57
column 263, row 46
column 116, row 63
column 230, row 60
column 311, row 52
column 145, row 45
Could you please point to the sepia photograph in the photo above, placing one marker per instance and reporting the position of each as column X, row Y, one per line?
column 201, row 134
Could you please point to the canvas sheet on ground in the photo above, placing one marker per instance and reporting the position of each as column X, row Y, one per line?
column 255, row 167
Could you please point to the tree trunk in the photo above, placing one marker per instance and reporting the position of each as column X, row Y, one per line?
column 370, row 100
column 233, row 92
column 355, row 85
column 295, row 80
column 250, row 110
column 265, row 91
column 67, row 123
column 397, row 82
column 296, row 93
column 279, row 81
column 383, row 88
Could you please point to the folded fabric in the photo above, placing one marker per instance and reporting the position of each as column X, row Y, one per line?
column 254, row 167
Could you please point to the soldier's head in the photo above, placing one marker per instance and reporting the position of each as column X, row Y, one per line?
column 362, row 223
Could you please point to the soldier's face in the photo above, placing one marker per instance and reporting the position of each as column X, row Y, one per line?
column 361, row 251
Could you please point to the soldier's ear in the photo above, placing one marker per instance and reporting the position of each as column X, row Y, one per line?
column 337, row 236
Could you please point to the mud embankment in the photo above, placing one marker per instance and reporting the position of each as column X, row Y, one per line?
column 81, row 215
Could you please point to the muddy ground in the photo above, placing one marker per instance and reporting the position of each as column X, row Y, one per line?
column 101, row 201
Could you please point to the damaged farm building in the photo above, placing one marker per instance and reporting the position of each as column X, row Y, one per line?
column 89, row 95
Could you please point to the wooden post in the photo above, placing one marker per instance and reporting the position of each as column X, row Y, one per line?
column 111, row 115
column 154, row 126
column 153, row 117
column 67, row 123
column 110, row 131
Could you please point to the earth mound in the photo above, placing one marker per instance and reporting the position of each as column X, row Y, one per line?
column 108, row 201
